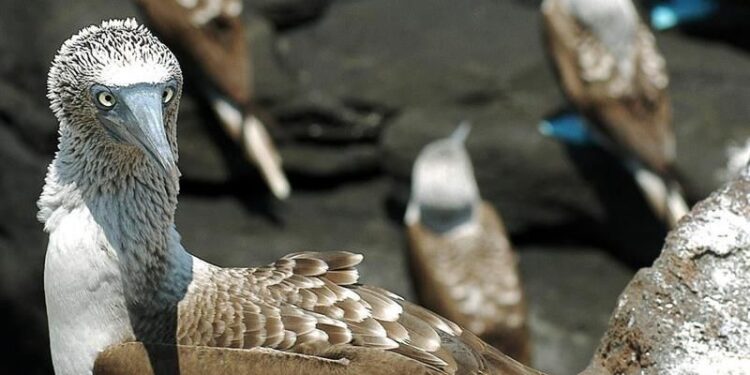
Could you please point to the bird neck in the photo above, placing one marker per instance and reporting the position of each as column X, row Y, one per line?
column 447, row 219
column 111, row 209
column 128, row 196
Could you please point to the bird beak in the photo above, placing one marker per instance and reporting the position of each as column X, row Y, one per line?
column 138, row 119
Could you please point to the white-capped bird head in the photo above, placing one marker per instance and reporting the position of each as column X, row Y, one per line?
column 444, row 192
column 614, row 23
column 116, row 87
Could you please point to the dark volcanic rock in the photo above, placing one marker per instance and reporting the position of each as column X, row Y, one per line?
column 289, row 13
column 404, row 53
column 272, row 81
column 571, row 292
column 206, row 152
column 710, row 88
column 22, row 245
column 333, row 163
column 687, row 314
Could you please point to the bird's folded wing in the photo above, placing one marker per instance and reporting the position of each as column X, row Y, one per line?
column 310, row 302
column 472, row 278
column 137, row 358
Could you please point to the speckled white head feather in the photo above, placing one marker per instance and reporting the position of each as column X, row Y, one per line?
column 443, row 182
column 115, row 89
column 613, row 22
column 115, row 53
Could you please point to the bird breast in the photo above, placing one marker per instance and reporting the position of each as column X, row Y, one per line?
column 86, row 308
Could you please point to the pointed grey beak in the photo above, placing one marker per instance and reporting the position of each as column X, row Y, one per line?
column 137, row 118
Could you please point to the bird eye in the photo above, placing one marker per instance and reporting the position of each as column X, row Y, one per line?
column 167, row 95
column 105, row 99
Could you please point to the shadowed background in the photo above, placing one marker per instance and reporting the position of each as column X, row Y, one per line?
column 358, row 87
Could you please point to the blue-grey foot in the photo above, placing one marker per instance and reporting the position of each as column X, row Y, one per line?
column 668, row 14
column 568, row 127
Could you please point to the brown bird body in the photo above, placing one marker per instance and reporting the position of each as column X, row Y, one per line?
column 471, row 278
column 310, row 303
column 210, row 35
column 137, row 358
column 610, row 69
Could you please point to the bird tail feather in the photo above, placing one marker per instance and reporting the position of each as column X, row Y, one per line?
column 230, row 117
column 250, row 132
column 663, row 195
column 260, row 149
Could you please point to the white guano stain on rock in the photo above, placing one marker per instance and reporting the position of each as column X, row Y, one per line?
column 719, row 231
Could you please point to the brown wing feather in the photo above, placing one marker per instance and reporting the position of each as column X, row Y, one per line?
column 293, row 305
column 137, row 358
column 636, row 114
column 214, row 42
column 472, row 279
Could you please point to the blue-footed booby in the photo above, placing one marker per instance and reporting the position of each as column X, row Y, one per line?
column 116, row 272
column 610, row 70
column 462, row 258
column 211, row 35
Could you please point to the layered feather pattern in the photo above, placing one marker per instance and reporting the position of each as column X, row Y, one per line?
column 307, row 302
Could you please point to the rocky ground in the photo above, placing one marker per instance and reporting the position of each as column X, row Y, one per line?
column 358, row 86
column 687, row 313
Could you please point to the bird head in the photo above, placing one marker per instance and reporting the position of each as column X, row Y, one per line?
column 444, row 190
column 117, row 84
column 613, row 23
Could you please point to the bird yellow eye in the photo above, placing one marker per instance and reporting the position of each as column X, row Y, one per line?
column 167, row 95
column 106, row 99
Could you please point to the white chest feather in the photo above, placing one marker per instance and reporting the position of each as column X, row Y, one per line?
column 86, row 308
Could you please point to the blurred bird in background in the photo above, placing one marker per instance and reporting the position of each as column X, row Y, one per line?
column 612, row 73
column 209, row 36
column 463, row 262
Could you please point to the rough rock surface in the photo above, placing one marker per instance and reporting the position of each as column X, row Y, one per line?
column 288, row 13
column 687, row 314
